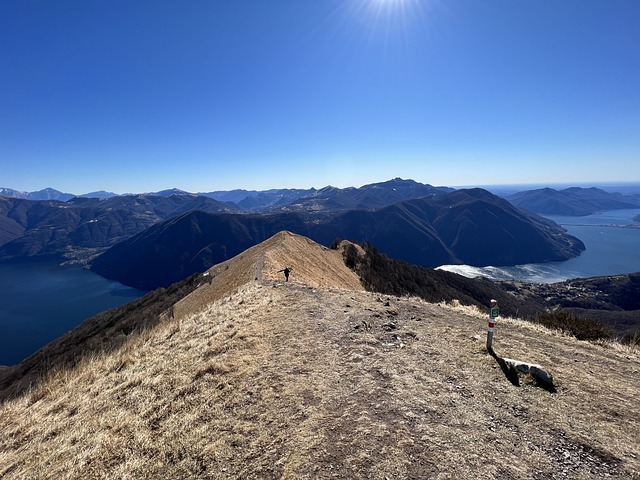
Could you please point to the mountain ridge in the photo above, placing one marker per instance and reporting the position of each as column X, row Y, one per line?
column 569, row 200
column 574, row 201
column 272, row 379
column 368, row 197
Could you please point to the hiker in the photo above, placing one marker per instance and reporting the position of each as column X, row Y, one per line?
column 286, row 271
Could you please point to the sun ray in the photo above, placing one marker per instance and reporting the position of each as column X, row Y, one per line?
column 393, row 20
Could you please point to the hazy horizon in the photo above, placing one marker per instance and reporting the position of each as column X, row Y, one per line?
column 629, row 186
column 206, row 96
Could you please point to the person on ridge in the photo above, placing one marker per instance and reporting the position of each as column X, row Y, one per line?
column 286, row 271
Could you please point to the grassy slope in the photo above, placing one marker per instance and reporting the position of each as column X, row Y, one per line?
column 303, row 380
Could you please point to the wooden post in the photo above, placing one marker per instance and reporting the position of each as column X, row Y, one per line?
column 494, row 312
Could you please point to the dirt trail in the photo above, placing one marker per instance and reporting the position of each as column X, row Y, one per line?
column 312, row 263
column 375, row 387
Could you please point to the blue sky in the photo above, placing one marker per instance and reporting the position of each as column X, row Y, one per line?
column 134, row 96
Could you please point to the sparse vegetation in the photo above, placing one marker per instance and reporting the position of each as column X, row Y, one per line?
column 317, row 379
column 382, row 274
column 354, row 385
column 633, row 339
column 350, row 254
column 580, row 327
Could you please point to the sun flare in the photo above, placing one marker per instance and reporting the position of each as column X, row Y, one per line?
column 397, row 12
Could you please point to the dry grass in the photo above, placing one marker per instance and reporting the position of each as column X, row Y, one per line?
column 296, row 381
column 312, row 264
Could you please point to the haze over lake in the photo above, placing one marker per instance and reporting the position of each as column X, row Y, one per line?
column 612, row 239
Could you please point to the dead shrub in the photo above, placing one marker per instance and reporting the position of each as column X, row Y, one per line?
column 581, row 328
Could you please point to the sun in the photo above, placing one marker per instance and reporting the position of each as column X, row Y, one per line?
column 390, row 2
column 393, row 12
column 395, row 23
column 394, row 5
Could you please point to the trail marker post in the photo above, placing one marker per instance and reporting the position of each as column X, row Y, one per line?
column 494, row 312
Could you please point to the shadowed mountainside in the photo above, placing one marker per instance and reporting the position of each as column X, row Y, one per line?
column 190, row 243
column 466, row 226
column 246, row 376
column 55, row 229
column 471, row 227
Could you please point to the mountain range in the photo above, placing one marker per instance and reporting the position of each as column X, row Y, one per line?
column 76, row 228
column 329, row 198
column 566, row 201
column 407, row 220
column 465, row 226
column 573, row 201
column 44, row 194
column 368, row 197
column 55, row 229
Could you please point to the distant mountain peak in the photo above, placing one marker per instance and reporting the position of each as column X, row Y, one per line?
column 394, row 181
column 99, row 194
column 169, row 192
column 10, row 192
column 44, row 194
column 572, row 201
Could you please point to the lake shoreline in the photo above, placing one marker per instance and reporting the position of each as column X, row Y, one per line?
column 612, row 239
column 42, row 299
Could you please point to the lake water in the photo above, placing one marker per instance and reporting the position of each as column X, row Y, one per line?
column 612, row 239
column 41, row 301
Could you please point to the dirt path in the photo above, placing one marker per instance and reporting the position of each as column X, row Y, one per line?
column 375, row 387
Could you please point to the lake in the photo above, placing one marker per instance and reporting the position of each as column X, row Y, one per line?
column 40, row 301
column 612, row 239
